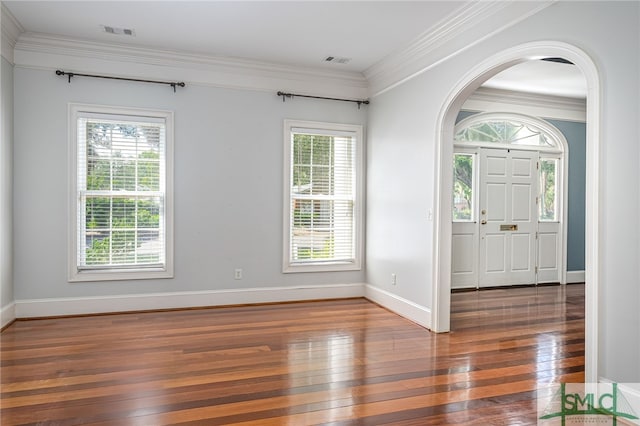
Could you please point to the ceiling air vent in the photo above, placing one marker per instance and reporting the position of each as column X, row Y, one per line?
column 118, row 31
column 337, row 59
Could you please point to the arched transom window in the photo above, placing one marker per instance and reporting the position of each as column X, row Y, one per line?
column 507, row 130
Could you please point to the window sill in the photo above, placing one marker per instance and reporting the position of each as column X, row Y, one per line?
column 119, row 275
column 293, row 268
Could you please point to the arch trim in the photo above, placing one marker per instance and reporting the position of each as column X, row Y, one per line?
column 441, row 279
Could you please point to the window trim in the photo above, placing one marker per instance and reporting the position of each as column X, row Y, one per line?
column 358, row 229
column 75, row 274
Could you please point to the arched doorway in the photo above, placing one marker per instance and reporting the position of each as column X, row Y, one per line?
column 441, row 302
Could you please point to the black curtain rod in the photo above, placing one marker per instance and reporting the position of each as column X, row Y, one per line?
column 291, row 95
column 74, row 74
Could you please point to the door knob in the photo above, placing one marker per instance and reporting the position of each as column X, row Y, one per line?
column 483, row 222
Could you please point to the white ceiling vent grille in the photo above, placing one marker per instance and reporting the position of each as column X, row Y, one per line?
column 337, row 59
column 118, row 31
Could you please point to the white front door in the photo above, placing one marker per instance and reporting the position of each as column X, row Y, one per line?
column 508, row 217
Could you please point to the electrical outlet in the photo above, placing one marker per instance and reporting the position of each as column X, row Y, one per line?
column 393, row 279
column 238, row 274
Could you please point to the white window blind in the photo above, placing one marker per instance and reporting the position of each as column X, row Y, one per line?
column 121, row 193
column 323, row 196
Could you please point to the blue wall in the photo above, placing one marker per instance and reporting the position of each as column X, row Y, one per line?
column 576, row 135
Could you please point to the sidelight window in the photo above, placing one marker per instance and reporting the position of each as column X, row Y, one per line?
column 463, row 187
column 548, row 186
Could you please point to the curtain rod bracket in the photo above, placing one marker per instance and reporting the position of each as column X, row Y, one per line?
column 170, row 83
column 69, row 74
column 291, row 95
column 285, row 95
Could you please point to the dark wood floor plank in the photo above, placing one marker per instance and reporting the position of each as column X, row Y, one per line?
column 327, row 362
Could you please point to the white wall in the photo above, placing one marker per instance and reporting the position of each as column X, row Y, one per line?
column 401, row 176
column 6, row 205
column 228, row 186
column 400, row 171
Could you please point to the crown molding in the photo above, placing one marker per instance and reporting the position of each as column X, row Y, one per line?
column 449, row 27
column 11, row 30
column 46, row 51
column 544, row 106
column 465, row 27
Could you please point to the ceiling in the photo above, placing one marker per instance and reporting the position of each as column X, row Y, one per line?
column 542, row 77
column 289, row 32
column 295, row 33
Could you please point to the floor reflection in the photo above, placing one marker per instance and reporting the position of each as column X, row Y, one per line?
column 339, row 362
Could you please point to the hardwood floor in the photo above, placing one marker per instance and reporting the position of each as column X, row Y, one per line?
column 342, row 362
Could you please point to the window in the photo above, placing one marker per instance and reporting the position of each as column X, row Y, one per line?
column 503, row 131
column 463, row 185
column 323, row 191
column 121, row 197
column 548, row 201
column 508, row 130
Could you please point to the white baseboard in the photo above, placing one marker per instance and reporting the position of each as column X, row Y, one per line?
column 401, row 306
column 36, row 308
column 7, row 314
column 631, row 392
column 575, row 277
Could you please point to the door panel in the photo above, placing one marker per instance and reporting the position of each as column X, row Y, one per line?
column 508, row 219
column 549, row 246
column 521, row 252
column 496, row 165
column 464, row 268
column 522, row 167
column 463, row 262
column 521, row 203
column 463, row 247
column 547, row 258
column 496, row 245
column 496, row 197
